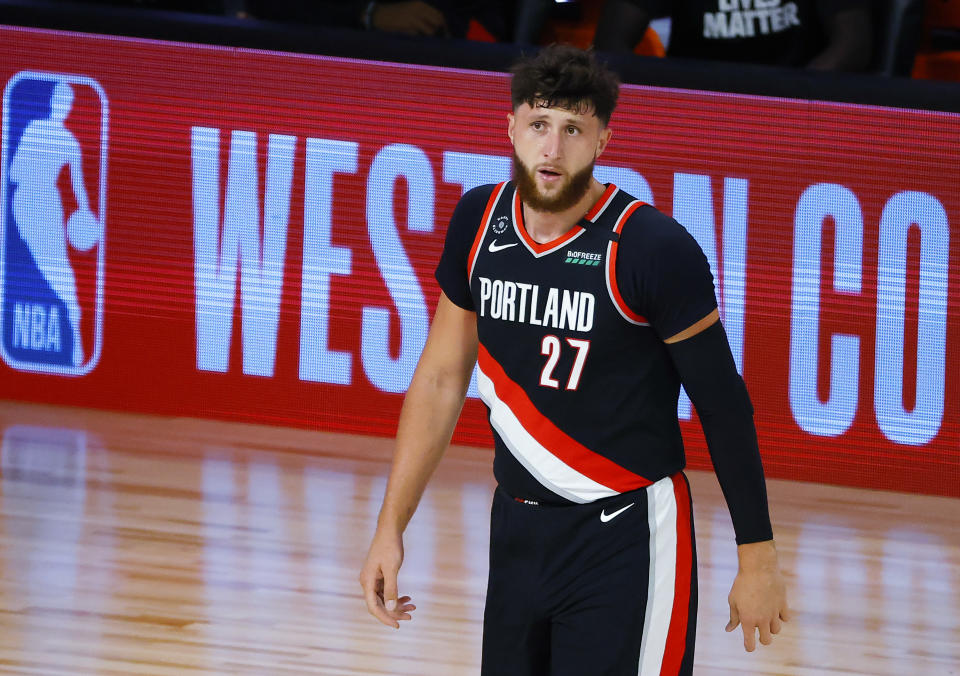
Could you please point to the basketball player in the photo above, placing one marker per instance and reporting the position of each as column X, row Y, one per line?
column 585, row 311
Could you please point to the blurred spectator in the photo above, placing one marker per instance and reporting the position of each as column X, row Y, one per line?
column 412, row 17
column 575, row 23
column 819, row 34
column 530, row 17
column 440, row 18
column 939, row 54
column 196, row 6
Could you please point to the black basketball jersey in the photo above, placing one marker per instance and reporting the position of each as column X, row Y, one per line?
column 581, row 392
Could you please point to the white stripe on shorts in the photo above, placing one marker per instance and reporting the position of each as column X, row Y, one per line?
column 662, row 515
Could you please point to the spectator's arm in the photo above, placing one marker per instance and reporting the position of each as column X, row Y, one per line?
column 318, row 12
column 849, row 41
column 412, row 17
column 621, row 25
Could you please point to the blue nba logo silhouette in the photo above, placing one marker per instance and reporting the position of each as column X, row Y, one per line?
column 52, row 244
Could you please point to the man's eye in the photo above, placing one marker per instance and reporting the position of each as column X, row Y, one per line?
column 537, row 125
column 572, row 130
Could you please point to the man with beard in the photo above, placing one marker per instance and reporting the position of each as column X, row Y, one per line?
column 585, row 310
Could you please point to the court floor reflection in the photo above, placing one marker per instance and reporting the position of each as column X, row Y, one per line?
column 138, row 544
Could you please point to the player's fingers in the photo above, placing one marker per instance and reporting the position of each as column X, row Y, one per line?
column 370, row 583
column 734, row 619
column 775, row 626
column 765, row 637
column 785, row 614
column 374, row 607
column 404, row 611
column 370, row 596
column 390, row 589
column 749, row 638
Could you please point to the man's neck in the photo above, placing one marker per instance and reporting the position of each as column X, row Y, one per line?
column 546, row 226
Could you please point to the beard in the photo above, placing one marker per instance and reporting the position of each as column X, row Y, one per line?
column 576, row 187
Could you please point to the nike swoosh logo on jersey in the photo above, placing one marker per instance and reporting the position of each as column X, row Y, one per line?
column 494, row 248
column 609, row 517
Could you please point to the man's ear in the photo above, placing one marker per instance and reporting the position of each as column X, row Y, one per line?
column 511, row 121
column 604, row 140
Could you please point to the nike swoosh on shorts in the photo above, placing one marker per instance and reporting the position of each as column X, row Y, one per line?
column 609, row 517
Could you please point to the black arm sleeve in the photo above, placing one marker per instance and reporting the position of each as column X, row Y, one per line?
column 453, row 269
column 710, row 377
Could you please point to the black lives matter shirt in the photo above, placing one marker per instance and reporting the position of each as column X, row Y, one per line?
column 580, row 390
column 775, row 32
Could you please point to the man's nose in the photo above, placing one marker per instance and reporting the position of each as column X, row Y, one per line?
column 553, row 146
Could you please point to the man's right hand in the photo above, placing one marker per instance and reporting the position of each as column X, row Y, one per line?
column 430, row 409
column 379, row 580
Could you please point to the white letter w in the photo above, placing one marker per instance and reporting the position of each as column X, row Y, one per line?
column 215, row 255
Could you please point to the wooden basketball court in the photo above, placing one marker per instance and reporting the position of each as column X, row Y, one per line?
column 134, row 544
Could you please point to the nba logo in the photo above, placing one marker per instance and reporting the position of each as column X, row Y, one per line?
column 52, row 236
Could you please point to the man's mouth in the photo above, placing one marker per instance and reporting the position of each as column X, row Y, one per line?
column 549, row 173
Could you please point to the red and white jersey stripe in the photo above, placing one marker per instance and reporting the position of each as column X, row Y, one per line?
column 484, row 226
column 559, row 462
column 610, row 269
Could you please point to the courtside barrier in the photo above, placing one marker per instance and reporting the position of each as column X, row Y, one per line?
column 250, row 235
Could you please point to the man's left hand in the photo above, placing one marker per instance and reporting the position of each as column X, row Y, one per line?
column 758, row 599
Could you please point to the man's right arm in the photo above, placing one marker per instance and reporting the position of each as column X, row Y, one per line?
column 430, row 411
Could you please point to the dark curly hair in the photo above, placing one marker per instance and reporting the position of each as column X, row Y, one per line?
column 561, row 76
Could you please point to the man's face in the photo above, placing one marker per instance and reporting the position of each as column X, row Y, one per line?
column 554, row 150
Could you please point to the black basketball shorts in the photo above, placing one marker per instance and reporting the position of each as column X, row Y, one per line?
column 607, row 588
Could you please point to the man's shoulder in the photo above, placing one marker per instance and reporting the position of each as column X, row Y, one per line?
column 648, row 233
column 477, row 198
column 646, row 222
column 470, row 210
